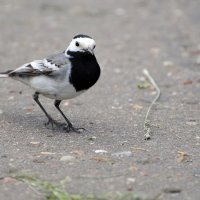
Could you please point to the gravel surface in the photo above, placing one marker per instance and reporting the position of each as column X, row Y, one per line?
column 112, row 156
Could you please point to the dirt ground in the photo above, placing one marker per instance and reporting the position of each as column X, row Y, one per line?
column 112, row 156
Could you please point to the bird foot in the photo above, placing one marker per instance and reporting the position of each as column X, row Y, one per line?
column 70, row 128
column 63, row 126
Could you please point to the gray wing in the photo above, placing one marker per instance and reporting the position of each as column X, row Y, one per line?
column 58, row 59
column 48, row 66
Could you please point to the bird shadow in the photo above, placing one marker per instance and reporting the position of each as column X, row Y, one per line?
column 35, row 122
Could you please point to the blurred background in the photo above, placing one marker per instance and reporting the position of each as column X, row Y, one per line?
column 162, row 36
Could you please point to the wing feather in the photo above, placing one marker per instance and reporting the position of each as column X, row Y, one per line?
column 42, row 67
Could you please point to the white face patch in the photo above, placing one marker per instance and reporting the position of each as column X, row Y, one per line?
column 82, row 44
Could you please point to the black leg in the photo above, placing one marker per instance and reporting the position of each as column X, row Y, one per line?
column 70, row 126
column 36, row 98
column 50, row 119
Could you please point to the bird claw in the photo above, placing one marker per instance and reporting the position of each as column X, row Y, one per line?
column 63, row 126
column 69, row 128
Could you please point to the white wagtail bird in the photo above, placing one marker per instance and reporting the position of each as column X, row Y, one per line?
column 61, row 76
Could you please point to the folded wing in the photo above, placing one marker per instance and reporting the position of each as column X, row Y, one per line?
column 47, row 66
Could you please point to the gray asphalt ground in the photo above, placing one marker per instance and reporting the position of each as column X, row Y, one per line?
column 162, row 36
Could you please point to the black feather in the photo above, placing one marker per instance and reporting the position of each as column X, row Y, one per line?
column 85, row 70
column 81, row 36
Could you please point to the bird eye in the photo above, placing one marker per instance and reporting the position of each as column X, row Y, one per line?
column 77, row 44
column 94, row 46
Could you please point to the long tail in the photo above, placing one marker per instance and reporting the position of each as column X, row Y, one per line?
column 5, row 74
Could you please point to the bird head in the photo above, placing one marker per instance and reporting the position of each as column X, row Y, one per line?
column 81, row 44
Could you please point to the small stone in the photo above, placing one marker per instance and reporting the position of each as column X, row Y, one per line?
column 130, row 180
column 137, row 107
column 11, row 98
column 183, row 156
column 34, row 142
column 130, row 100
column 168, row 63
column 191, row 123
column 66, row 104
column 67, row 158
column 122, row 154
column 92, row 138
column 187, row 82
column 100, row 151
column 28, row 109
column 116, row 107
column 155, row 51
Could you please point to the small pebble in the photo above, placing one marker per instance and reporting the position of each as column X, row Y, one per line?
column 35, row 142
column 191, row 123
column 66, row 104
column 122, row 154
column 67, row 158
column 92, row 138
column 155, row 51
column 168, row 63
column 100, row 151
column 11, row 98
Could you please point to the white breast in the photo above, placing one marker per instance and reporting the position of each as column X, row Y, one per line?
column 54, row 89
